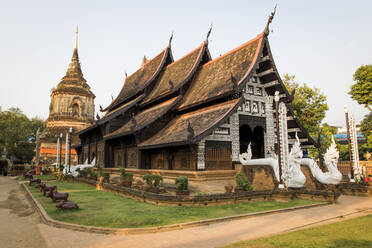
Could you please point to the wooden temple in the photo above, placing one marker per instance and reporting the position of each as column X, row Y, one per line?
column 195, row 113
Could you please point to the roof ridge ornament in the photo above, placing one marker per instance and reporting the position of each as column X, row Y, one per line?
column 209, row 33
column 170, row 39
column 76, row 37
column 271, row 17
column 234, row 82
column 190, row 132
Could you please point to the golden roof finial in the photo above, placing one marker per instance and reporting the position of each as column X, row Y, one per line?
column 76, row 38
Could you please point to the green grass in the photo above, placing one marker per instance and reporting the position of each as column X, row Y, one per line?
column 354, row 233
column 105, row 209
column 43, row 178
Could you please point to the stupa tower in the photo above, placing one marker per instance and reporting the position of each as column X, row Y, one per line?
column 71, row 106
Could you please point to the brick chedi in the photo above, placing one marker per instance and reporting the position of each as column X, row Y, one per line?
column 71, row 105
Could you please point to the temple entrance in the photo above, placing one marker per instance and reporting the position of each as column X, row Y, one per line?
column 255, row 137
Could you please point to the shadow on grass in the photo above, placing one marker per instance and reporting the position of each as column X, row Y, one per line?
column 351, row 243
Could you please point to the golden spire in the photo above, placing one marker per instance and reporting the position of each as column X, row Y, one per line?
column 76, row 39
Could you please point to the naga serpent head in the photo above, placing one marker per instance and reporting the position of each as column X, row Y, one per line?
column 296, row 152
column 332, row 154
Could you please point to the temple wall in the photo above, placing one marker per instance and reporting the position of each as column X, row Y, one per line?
column 270, row 136
column 61, row 104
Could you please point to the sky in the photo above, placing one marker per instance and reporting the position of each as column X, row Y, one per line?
column 322, row 43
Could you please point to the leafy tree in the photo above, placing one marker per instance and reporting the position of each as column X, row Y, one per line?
column 18, row 133
column 366, row 128
column 324, row 139
column 309, row 104
column 361, row 91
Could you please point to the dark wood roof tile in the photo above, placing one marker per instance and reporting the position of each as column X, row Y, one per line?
column 176, row 74
column 214, row 79
column 140, row 79
column 201, row 121
column 143, row 118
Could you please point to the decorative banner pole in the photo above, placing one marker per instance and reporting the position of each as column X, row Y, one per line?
column 276, row 98
column 57, row 162
column 284, row 147
column 66, row 152
column 60, row 150
column 349, row 143
column 69, row 150
column 354, row 149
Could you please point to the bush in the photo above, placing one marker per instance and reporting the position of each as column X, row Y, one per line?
column 182, row 183
column 242, row 182
column 100, row 172
column 153, row 180
column 106, row 177
column 126, row 176
column 94, row 175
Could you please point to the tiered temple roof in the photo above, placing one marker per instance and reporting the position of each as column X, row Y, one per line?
column 200, row 93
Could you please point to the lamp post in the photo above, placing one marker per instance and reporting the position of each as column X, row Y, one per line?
column 60, row 150
column 276, row 99
column 69, row 151
column 349, row 143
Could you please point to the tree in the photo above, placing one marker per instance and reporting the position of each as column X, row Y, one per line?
column 324, row 139
column 17, row 134
column 366, row 128
column 361, row 91
column 309, row 105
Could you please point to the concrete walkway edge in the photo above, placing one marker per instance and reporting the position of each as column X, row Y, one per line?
column 125, row 231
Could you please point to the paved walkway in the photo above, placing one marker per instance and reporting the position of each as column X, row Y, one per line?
column 18, row 220
column 213, row 235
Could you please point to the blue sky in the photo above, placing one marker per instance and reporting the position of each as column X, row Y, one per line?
column 322, row 43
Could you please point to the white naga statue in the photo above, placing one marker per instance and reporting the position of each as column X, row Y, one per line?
column 333, row 176
column 291, row 175
column 73, row 168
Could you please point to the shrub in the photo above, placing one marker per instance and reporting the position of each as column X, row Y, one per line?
column 100, row 172
column 182, row 183
column 94, row 175
column 153, row 180
column 126, row 176
column 242, row 182
column 106, row 177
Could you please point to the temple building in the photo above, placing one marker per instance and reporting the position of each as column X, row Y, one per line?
column 71, row 106
column 193, row 114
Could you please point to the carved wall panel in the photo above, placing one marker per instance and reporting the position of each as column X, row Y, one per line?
column 132, row 157
column 183, row 159
column 118, row 157
column 159, row 160
column 218, row 155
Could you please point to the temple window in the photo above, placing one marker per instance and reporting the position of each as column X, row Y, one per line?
column 75, row 109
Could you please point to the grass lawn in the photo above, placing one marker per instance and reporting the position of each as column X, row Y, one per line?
column 105, row 209
column 43, row 178
column 354, row 233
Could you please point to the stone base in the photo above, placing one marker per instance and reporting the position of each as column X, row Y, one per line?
column 355, row 189
column 311, row 182
column 261, row 177
column 219, row 199
column 199, row 181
